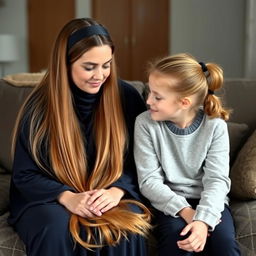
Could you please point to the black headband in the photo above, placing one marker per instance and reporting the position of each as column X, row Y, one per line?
column 86, row 32
column 204, row 68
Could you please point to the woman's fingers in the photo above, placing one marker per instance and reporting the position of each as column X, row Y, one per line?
column 95, row 195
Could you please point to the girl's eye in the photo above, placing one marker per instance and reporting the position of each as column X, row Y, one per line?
column 158, row 98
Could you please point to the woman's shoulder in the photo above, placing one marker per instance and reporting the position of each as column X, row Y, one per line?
column 130, row 89
column 131, row 99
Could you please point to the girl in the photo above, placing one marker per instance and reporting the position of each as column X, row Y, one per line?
column 182, row 157
column 74, row 182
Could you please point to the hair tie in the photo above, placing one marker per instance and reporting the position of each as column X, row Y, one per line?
column 86, row 32
column 204, row 68
column 211, row 92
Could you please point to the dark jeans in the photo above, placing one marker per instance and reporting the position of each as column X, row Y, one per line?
column 221, row 241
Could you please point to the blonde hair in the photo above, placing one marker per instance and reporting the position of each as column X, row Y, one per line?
column 192, row 80
column 54, row 125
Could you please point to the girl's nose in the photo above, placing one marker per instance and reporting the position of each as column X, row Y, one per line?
column 149, row 101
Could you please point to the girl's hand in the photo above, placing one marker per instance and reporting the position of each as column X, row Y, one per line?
column 197, row 239
column 187, row 214
column 103, row 200
column 77, row 203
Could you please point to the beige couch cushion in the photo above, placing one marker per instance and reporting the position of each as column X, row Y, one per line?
column 243, row 172
column 24, row 79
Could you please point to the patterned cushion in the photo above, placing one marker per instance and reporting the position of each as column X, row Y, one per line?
column 244, row 215
column 4, row 192
column 243, row 172
column 10, row 243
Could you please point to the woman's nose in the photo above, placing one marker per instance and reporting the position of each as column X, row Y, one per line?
column 98, row 74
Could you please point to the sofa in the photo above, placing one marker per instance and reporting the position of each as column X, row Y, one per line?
column 238, row 94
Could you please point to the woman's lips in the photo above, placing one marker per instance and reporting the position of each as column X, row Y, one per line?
column 95, row 84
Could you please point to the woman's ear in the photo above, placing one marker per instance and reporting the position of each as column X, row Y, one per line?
column 186, row 102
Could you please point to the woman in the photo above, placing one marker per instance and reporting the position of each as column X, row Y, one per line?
column 74, row 184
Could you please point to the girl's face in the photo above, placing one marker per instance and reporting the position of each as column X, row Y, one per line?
column 92, row 69
column 164, row 103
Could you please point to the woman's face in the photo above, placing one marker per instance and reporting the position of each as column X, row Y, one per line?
column 92, row 69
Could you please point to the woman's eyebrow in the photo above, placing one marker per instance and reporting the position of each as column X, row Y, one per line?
column 95, row 64
column 108, row 61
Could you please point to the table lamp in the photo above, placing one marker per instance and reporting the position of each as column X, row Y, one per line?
column 8, row 50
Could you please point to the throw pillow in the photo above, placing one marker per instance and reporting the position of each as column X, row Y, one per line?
column 237, row 134
column 243, row 172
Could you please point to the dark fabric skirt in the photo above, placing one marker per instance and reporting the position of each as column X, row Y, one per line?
column 45, row 231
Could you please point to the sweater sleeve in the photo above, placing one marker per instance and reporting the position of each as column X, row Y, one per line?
column 216, row 182
column 133, row 105
column 29, row 184
column 151, row 176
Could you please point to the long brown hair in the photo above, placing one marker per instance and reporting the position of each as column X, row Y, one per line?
column 193, row 78
column 54, row 124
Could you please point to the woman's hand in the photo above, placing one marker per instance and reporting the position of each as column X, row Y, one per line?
column 103, row 200
column 77, row 203
column 197, row 239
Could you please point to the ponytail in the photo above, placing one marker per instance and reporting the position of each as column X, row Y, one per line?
column 213, row 106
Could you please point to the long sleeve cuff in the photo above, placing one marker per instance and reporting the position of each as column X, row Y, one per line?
column 208, row 217
column 176, row 205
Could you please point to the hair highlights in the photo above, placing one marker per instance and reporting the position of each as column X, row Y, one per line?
column 54, row 126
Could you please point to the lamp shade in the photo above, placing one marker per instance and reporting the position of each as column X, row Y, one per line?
column 8, row 48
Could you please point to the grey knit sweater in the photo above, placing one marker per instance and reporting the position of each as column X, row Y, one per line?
column 175, row 164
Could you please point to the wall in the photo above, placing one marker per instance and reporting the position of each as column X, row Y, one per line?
column 250, row 40
column 211, row 31
column 83, row 8
column 13, row 21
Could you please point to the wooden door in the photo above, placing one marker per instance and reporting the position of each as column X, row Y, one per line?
column 116, row 16
column 140, row 30
column 150, row 34
column 45, row 19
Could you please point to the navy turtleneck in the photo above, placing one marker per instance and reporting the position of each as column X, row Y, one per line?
column 31, row 186
column 85, row 104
